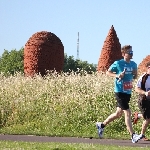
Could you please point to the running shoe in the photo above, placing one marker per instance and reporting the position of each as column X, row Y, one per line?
column 100, row 129
column 135, row 138
column 143, row 138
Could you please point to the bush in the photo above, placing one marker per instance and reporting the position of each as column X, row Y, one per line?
column 59, row 105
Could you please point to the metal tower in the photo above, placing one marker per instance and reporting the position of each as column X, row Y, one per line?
column 78, row 46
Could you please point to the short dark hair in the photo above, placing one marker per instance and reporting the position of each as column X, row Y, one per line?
column 125, row 48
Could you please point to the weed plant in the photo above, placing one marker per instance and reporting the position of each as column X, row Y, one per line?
column 66, row 104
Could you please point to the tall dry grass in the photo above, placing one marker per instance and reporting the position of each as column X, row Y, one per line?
column 59, row 104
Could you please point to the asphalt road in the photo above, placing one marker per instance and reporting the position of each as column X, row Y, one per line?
column 32, row 138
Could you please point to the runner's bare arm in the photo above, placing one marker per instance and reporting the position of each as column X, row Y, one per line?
column 113, row 74
column 110, row 73
column 140, row 91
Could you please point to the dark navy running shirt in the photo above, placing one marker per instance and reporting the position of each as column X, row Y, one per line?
column 125, row 84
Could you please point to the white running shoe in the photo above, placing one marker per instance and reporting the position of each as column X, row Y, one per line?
column 100, row 129
column 135, row 138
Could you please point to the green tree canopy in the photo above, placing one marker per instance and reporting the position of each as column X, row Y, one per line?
column 70, row 64
column 12, row 62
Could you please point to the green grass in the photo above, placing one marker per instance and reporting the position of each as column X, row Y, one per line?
column 7, row 145
column 60, row 105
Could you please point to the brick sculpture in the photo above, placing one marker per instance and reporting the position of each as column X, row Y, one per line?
column 110, row 52
column 141, row 66
column 43, row 51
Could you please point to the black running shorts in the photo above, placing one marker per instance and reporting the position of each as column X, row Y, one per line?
column 144, row 106
column 123, row 100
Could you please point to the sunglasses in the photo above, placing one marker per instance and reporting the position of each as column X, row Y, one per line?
column 130, row 52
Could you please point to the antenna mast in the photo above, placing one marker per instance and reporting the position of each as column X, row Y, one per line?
column 78, row 46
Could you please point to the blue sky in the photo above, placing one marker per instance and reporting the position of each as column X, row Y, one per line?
column 20, row 19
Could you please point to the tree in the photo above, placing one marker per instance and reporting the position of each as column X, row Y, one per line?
column 70, row 64
column 11, row 62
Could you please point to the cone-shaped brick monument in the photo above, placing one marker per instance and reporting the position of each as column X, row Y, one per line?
column 43, row 51
column 141, row 67
column 110, row 52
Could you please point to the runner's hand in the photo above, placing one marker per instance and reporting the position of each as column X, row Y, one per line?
column 121, row 75
column 147, row 93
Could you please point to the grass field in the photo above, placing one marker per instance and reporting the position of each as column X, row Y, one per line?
column 60, row 105
column 7, row 145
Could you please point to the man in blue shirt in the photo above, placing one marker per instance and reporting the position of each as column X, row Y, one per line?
column 124, row 71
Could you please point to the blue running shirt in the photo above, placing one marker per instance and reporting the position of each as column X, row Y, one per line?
column 125, row 84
